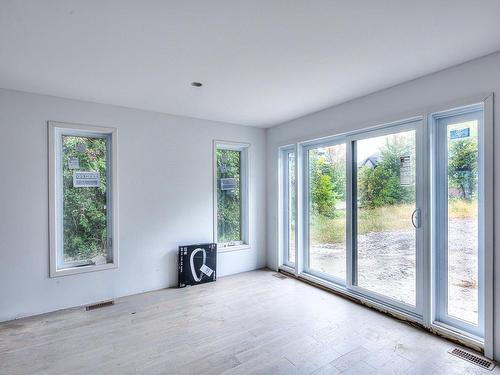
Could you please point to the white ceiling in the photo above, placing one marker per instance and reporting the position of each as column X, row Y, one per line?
column 262, row 62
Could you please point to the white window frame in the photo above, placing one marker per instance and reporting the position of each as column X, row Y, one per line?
column 55, row 131
column 415, row 124
column 439, row 122
column 243, row 148
column 284, row 201
column 306, row 147
column 349, row 285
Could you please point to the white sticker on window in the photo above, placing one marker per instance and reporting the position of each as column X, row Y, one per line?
column 206, row 270
column 74, row 163
column 405, row 171
column 228, row 183
column 460, row 133
column 86, row 179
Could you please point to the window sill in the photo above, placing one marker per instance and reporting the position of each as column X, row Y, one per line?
column 342, row 290
column 287, row 268
column 228, row 249
column 82, row 269
column 467, row 339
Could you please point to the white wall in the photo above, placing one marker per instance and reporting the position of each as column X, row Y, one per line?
column 165, row 189
column 475, row 78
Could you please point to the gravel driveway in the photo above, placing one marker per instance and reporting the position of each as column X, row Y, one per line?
column 386, row 264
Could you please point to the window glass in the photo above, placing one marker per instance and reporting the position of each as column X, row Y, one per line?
column 327, row 210
column 85, row 200
column 463, row 214
column 229, row 226
column 386, row 201
column 291, row 207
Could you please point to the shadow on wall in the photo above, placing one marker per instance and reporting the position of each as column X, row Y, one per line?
column 171, row 262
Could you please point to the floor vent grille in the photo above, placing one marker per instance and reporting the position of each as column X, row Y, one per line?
column 99, row 305
column 473, row 358
column 279, row 276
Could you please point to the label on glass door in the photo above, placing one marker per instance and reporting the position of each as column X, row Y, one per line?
column 405, row 172
column 73, row 163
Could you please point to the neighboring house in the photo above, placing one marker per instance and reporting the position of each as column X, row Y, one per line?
column 371, row 161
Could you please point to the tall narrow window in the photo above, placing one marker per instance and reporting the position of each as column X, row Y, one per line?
column 231, row 195
column 81, row 199
column 289, row 205
column 458, row 207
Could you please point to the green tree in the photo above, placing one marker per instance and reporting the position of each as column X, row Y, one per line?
column 323, row 196
column 462, row 166
column 380, row 185
column 335, row 167
column 323, row 186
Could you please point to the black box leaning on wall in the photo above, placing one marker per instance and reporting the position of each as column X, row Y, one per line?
column 197, row 264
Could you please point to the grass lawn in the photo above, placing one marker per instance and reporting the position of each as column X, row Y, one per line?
column 326, row 230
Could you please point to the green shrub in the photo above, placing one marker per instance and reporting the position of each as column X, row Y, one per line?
column 327, row 182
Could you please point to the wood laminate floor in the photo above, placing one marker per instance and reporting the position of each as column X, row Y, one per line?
column 251, row 323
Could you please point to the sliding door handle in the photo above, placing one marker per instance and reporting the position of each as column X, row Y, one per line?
column 415, row 218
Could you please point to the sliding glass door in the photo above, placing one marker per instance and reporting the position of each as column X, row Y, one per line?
column 363, row 227
column 459, row 246
column 386, row 215
column 396, row 216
